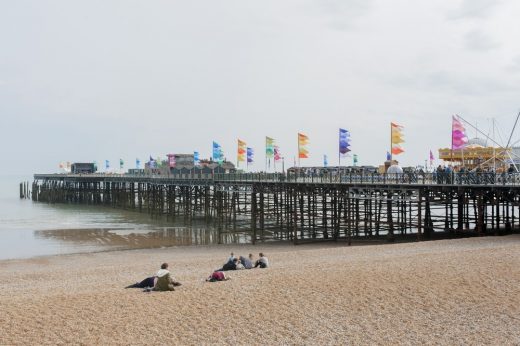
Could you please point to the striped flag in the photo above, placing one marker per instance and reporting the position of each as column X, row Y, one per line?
column 303, row 152
column 241, row 152
column 396, row 135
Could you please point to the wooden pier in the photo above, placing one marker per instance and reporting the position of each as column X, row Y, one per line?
column 305, row 208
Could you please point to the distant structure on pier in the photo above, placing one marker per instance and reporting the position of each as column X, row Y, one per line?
column 478, row 155
column 83, row 168
column 185, row 164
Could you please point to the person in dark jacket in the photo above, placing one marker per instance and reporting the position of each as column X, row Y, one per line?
column 230, row 265
column 148, row 282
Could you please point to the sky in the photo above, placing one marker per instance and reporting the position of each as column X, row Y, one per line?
column 85, row 81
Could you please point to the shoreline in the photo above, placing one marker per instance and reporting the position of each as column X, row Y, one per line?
column 446, row 291
column 91, row 240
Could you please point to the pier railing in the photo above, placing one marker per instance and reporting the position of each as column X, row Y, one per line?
column 376, row 178
column 469, row 178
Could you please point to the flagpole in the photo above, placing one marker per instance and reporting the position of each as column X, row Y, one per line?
column 452, row 138
column 339, row 149
column 299, row 150
column 266, row 153
column 391, row 142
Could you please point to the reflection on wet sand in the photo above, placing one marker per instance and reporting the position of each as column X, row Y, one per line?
column 136, row 239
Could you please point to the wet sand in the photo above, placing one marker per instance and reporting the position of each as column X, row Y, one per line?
column 464, row 291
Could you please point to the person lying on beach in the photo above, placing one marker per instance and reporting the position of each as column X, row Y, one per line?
column 247, row 262
column 150, row 282
column 165, row 281
column 218, row 276
column 262, row 262
column 146, row 283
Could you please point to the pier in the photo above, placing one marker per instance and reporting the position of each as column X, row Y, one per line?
column 299, row 208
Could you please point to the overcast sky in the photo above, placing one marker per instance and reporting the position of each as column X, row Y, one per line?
column 96, row 80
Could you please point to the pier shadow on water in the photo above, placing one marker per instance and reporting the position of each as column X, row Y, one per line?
column 102, row 239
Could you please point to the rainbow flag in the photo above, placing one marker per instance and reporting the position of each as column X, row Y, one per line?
column 269, row 147
column 396, row 135
column 241, row 152
column 303, row 152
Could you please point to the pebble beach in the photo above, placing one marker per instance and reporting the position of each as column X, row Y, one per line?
column 446, row 292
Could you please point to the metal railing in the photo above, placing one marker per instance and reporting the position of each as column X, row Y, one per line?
column 469, row 178
column 377, row 178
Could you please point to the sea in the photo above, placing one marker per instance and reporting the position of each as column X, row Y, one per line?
column 31, row 229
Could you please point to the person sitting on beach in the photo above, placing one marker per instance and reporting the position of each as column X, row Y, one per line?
column 229, row 265
column 231, row 258
column 247, row 262
column 218, row 276
column 165, row 281
column 262, row 262
column 240, row 265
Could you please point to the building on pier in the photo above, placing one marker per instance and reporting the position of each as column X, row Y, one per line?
column 83, row 168
column 185, row 164
column 477, row 154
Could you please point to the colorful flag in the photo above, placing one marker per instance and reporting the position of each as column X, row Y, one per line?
column 121, row 163
column 388, row 156
column 250, row 155
column 171, row 160
column 458, row 134
column 303, row 140
column 396, row 134
column 152, row 163
column 269, row 147
column 354, row 159
column 107, row 164
column 218, row 154
column 137, row 163
column 241, row 152
column 344, row 142
column 196, row 159
column 325, row 161
column 277, row 153
column 431, row 156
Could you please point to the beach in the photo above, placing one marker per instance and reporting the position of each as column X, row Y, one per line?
column 457, row 291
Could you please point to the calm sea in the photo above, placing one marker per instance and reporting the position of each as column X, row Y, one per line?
column 29, row 229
